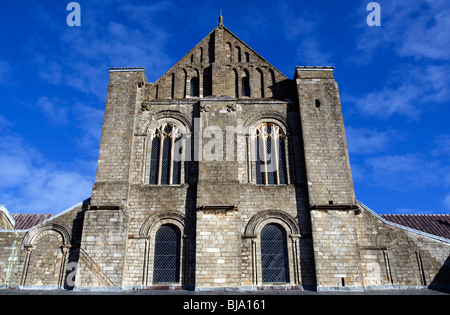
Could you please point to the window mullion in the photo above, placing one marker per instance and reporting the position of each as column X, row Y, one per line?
column 264, row 138
column 161, row 155
column 172, row 147
column 249, row 159
column 275, row 144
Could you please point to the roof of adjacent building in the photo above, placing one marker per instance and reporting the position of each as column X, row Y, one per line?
column 436, row 224
column 26, row 221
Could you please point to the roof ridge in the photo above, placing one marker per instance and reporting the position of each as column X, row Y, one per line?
column 417, row 214
column 31, row 213
column 393, row 220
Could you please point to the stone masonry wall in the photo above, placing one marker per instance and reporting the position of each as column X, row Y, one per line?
column 39, row 257
column 330, row 186
column 102, row 258
column 338, row 262
column 111, row 183
column 393, row 256
column 326, row 154
column 218, row 207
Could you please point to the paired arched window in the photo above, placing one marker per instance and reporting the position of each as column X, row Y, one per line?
column 270, row 155
column 166, row 155
column 167, row 255
column 274, row 254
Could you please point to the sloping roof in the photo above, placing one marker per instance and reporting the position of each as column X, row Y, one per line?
column 26, row 221
column 436, row 224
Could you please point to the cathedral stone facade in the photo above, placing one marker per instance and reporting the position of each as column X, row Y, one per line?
column 222, row 174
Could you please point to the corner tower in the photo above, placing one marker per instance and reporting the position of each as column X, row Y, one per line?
column 330, row 186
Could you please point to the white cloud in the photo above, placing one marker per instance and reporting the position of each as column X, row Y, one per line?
column 446, row 202
column 5, row 71
column 90, row 123
column 408, row 172
column 369, row 141
column 51, row 72
column 389, row 101
column 303, row 29
column 80, row 57
column 417, row 29
column 29, row 183
column 417, row 34
column 408, row 93
column 413, row 173
column 311, row 53
column 4, row 123
column 53, row 109
column 292, row 22
column 426, row 35
column 442, row 143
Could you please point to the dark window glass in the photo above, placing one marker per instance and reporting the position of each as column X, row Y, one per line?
column 154, row 163
column 282, row 162
column 246, row 86
column 165, row 163
column 274, row 258
column 176, row 176
column 195, row 87
column 167, row 255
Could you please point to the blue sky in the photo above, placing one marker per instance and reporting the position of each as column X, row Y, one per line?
column 394, row 83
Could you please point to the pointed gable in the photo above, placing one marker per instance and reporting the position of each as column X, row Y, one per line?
column 220, row 65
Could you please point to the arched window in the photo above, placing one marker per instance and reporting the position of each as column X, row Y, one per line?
column 167, row 255
column 273, row 83
column 185, row 83
column 166, row 155
column 236, row 83
column 261, row 82
column 229, row 52
column 172, row 95
column 238, row 52
column 274, row 254
column 270, row 155
column 207, row 81
column 195, row 87
column 246, row 84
